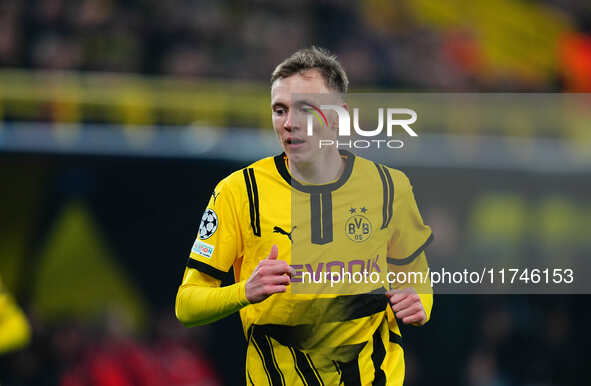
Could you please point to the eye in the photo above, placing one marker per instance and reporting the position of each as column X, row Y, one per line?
column 279, row 111
column 307, row 108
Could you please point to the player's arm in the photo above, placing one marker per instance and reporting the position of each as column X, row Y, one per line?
column 200, row 300
column 412, row 300
column 14, row 327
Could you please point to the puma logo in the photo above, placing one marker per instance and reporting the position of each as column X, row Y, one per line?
column 215, row 196
column 283, row 232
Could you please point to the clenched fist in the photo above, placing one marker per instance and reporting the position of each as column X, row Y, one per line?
column 269, row 277
column 407, row 306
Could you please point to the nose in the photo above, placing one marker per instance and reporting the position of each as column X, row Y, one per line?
column 290, row 122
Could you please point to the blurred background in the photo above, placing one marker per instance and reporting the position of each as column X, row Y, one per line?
column 114, row 116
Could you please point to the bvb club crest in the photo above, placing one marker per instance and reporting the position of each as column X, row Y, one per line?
column 358, row 227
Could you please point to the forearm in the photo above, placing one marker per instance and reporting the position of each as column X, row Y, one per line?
column 199, row 304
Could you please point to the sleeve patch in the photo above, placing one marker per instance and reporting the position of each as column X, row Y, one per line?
column 209, row 224
column 203, row 249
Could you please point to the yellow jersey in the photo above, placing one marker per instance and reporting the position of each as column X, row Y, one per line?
column 317, row 333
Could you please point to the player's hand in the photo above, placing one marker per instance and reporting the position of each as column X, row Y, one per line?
column 407, row 306
column 271, row 276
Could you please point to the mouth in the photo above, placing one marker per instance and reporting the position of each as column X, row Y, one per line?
column 294, row 141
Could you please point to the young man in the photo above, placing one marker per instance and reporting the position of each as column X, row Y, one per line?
column 325, row 204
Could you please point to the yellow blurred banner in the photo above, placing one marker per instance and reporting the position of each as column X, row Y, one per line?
column 69, row 97
column 132, row 101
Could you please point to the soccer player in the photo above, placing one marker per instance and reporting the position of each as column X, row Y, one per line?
column 350, row 207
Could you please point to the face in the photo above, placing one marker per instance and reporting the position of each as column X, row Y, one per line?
column 290, row 113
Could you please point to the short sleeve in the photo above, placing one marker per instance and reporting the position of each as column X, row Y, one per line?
column 218, row 242
column 410, row 236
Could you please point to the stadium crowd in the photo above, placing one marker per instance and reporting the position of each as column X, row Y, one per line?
column 402, row 44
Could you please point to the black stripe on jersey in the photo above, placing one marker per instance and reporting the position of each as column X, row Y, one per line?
column 356, row 306
column 350, row 375
column 388, row 194
column 395, row 338
column 410, row 259
column 253, row 200
column 314, row 369
column 321, row 217
column 249, row 378
column 255, row 192
column 207, row 269
column 264, row 363
column 305, row 369
column 282, row 170
column 337, row 366
column 265, row 349
column 384, row 195
column 377, row 357
column 274, row 359
column 338, row 309
column 297, row 367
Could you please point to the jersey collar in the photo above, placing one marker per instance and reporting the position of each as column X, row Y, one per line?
column 282, row 169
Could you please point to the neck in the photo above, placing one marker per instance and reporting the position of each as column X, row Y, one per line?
column 326, row 167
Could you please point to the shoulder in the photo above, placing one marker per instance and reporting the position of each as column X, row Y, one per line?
column 239, row 179
column 265, row 166
column 401, row 180
column 387, row 174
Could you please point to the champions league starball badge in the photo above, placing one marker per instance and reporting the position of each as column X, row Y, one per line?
column 209, row 224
